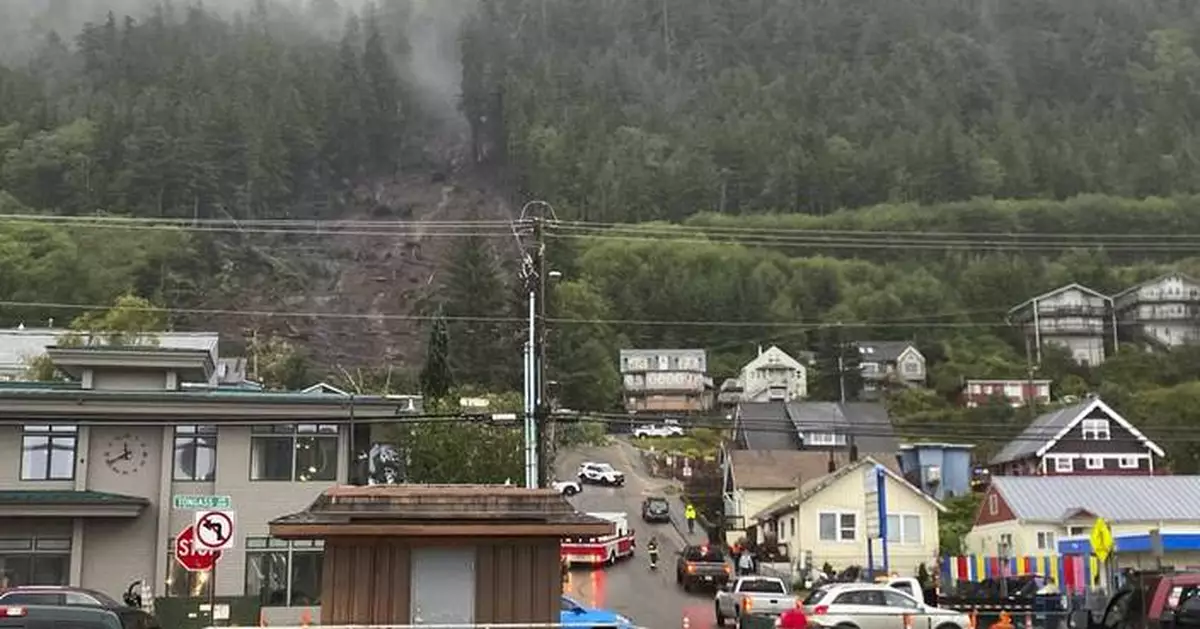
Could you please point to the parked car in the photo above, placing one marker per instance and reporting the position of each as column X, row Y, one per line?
column 702, row 565
column 872, row 606
column 567, row 487
column 38, row 616
column 663, row 430
column 600, row 474
column 574, row 614
column 40, row 601
column 656, row 509
column 762, row 596
column 1152, row 600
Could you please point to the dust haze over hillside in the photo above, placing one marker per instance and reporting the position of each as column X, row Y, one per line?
column 433, row 61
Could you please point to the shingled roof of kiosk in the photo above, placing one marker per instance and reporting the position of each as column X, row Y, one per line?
column 439, row 511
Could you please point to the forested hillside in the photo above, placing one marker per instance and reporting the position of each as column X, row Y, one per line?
column 728, row 174
column 629, row 110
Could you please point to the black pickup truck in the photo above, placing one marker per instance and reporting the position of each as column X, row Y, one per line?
column 702, row 565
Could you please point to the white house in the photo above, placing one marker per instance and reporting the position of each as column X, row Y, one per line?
column 827, row 520
column 773, row 375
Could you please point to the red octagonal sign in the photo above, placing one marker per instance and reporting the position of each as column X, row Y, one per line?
column 192, row 556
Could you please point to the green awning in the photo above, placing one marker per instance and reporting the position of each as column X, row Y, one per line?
column 50, row 503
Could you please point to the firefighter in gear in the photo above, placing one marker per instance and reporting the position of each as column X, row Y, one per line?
column 689, row 514
column 652, row 551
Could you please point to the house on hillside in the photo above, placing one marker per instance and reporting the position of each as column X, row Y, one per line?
column 828, row 519
column 666, row 380
column 773, row 375
column 887, row 364
column 1015, row 392
column 1088, row 438
column 1073, row 316
column 1164, row 311
column 814, row 426
column 753, row 479
column 1051, row 515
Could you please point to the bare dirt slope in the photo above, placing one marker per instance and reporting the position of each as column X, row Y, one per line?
column 369, row 278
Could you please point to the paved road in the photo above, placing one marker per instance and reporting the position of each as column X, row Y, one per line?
column 650, row 599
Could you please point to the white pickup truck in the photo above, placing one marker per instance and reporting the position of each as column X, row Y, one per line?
column 766, row 596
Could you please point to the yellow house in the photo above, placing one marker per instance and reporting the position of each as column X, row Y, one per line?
column 1051, row 515
column 832, row 517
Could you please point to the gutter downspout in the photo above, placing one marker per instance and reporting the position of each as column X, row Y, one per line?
column 1037, row 332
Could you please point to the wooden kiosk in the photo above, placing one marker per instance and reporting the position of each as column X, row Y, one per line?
column 439, row 554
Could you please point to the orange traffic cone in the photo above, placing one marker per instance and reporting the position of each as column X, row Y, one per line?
column 305, row 618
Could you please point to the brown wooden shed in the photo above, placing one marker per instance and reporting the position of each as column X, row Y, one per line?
column 440, row 554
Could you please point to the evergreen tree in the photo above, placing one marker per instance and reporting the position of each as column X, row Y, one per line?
column 475, row 290
column 436, row 377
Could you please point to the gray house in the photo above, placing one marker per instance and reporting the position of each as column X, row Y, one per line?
column 90, row 468
column 666, row 380
column 889, row 363
column 821, row 426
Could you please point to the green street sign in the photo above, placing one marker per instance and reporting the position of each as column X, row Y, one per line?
column 203, row 503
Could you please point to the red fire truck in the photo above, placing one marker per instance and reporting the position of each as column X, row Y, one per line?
column 599, row 551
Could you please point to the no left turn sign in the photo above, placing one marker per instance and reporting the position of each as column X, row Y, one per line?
column 214, row 530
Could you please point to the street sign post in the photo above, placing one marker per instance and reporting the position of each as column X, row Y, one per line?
column 214, row 529
column 202, row 503
column 192, row 557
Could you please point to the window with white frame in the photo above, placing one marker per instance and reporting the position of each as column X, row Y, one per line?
column 838, row 526
column 1006, row 544
column 1064, row 464
column 903, row 528
column 993, row 505
column 1096, row 430
column 1045, row 540
column 1129, row 463
column 48, row 452
column 824, row 439
column 195, row 453
column 294, row 452
column 1094, row 463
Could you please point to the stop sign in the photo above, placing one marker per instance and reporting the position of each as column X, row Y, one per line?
column 190, row 555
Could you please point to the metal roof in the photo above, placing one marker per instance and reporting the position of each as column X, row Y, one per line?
column 867, row 422
column 882, row 351
column 1114, row 498
column 765, row 426
column 1038, row 432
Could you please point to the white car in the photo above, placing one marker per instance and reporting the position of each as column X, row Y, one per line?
column 666, row 430
column 567, row 487
column 601, row 474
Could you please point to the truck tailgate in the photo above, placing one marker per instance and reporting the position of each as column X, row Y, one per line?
column 770, row 604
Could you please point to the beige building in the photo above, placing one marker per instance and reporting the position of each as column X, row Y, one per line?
column 89, row 471
column 831, row 518
column 666, row 380
column 773, row 376
column 1074, row 317
column 1050, row 515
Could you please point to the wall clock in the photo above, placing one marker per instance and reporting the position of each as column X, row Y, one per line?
column 126, row 454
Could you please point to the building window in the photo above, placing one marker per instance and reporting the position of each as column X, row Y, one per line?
column 1094, row 463
column 1045, row 540
column 183, row 583
column 1064, row 464
column 1128, row 463
column 904, row 529
column 34, row 561
column 195, row 453
column 1076, row 531
column 791, row 527
column 912, row 368
column 48, row 452
column 281, row 574
column 1096, row 430
column 838, row 527
column 824, row 439
column 294, row 452
column 993, row 505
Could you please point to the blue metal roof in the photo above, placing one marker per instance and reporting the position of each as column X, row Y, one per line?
column 1133, row 543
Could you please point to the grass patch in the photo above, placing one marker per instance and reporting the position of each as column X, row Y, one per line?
column 699, row 443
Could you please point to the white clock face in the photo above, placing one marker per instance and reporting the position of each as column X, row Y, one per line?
column 126, row 454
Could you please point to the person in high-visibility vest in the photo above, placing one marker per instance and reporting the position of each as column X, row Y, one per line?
column 689, row 513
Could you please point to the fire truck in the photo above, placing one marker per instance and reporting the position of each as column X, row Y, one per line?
column 600, row 551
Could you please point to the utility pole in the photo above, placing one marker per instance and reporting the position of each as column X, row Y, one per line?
column 541, row 407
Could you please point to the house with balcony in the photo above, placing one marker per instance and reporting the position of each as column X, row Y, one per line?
column 665, row 380
column 773, row 375
column 889, row 364
column 1164, row 311
column 1014, row 392
column 1074, row 317
column 1084, row 439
